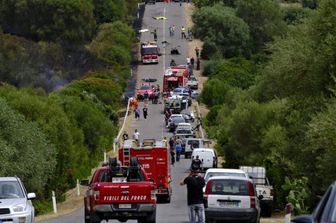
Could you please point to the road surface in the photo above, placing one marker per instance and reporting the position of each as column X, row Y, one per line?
column 153, row 127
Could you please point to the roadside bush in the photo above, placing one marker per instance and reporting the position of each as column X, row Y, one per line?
column 295, row 15
column 211, row 66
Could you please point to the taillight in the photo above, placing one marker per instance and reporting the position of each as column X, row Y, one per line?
column 252, row 195
column 153, row 192
column 207, row 192
column 96, row 192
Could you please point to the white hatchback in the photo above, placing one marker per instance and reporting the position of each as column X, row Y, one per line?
column 231, row 199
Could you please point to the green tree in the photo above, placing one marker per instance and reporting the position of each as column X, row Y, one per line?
column 264, row 19
column 203, row 3
column 223, row 32
column 113, row 43
column 109, row 11
column 26, row 153
column 53, row 20
column 58, row 130
column 320, row 149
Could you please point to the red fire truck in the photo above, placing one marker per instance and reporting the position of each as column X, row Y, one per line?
column 120, row 192
column 153, row 156
column 174, row 77
column 149, row 53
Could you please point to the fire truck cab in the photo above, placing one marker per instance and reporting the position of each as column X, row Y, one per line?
column 153, row 157
column 149, row 53
column 175, row 76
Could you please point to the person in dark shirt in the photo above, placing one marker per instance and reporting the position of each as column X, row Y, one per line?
column 195, row 184
column 196, row 163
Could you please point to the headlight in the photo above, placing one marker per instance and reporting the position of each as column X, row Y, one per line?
column 19, row 208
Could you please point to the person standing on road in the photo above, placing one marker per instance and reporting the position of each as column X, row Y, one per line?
column 197, row 52
column 192, row 62
column 196, row 163
column 178, row 149
column 125, row 136
column 136, row 135
column 137, row 113
column 145, row 111
column 155, row 35
column 195, row 184
column 183, row 34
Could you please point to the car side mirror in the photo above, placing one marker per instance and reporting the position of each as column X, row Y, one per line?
column 303, row 219
column 151, row 180
column 31, row 196
column 84, row 182
column 159, row 54
column 260, row 197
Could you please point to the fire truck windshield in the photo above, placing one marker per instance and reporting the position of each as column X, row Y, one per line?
column 149, row 50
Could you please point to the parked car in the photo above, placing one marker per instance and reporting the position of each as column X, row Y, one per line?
column 174, row 121
column 180, row 90
column 192, row 82
column 214, row 172
column 191, row 143
column 15, row 204
column 263, row 187
column 325, row 210
column 208, row 156
column 189, row 116
column 231, row 199
column 194, row 94
column 183, row 129
column 145, row 87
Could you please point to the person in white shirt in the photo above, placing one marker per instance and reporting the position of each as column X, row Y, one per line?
column 136, row 135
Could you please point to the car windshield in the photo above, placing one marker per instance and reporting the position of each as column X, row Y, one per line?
column 178, row 90
column 10, row 190
column 229, row 187
column 178, row 120
column 145, row 87
column 121, row 174
column 193, row 143
column 192, row 79
column 214, row 174
column 183, row 131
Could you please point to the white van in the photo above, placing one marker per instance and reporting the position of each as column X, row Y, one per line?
column 208, row 157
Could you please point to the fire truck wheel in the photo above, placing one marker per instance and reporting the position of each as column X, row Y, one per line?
column 134, row 161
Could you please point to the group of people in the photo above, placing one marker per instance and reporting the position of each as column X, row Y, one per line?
column 194, row 181
column 144, row 112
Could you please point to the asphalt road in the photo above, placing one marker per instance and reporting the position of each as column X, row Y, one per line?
column 153, row 127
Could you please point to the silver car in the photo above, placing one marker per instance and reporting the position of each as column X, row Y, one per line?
column 15, row 203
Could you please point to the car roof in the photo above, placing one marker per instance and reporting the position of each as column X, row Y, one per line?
column 8, row 178
column 203, row 150
column 230, row 178
column 225, row 170
column 176, row 115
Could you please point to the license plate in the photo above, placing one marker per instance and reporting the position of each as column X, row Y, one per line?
column 125, row 206
column 228, row 204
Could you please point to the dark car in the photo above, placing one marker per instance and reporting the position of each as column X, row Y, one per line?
column 325, row 211
column 174, row 122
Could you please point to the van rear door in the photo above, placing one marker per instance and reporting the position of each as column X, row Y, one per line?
column 228, row 193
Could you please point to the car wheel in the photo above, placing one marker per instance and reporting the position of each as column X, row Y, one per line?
column 86, row 216
column 94, row 218
column 266, row 211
